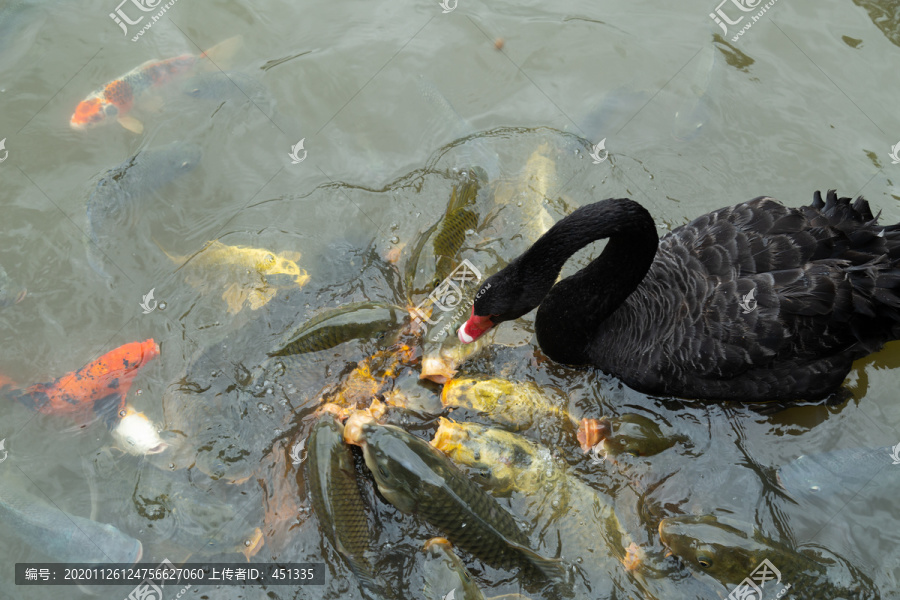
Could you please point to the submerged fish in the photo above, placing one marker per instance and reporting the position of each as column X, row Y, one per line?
column 224, row 85
column 245, row 272
column 336, row 500
column 516, row 405
column 418, row 479
column 440, row 362
column 100, row 386
column 61, row 536
column 114, row 101
column 136, row 434
column 572, row 512
column 632, row 434
column 360, row 320
column 729, row 551
column 113, row 203
column 10, row 292
column 826, row 475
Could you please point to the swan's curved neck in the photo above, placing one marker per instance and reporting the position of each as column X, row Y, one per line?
column 574, row 309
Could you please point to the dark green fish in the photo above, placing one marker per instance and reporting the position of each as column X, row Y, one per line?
column 360, row 320
column 336, row 500
column 419, row 479
column 630, row 433
column 112, row 204
column 10, row 292
column 459, row 218
column 61, row 536
column 730, row 551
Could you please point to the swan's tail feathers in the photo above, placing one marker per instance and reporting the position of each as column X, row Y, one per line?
column 840, row 210
column 873, row 254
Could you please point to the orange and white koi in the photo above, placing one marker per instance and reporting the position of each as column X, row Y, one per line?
column 114, row 101
column 98, row 387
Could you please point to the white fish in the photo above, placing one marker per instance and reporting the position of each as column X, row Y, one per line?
column 136, row 434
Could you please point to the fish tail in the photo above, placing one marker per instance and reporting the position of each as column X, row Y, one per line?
column 174, row 259
column 222, row 53
column 554, row 569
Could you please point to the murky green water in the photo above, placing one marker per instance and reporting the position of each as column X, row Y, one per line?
column 803, row 100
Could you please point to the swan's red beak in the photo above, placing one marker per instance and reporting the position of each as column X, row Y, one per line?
column 474, row 328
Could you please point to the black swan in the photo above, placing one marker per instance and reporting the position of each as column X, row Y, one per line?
column 755, row 302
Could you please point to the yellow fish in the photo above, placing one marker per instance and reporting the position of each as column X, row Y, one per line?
column 244, row 271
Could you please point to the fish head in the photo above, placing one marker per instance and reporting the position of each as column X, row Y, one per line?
column 632, row 435
column 724, row 548
column 92, row 112
column 403, row 466
column 283, row 264
column 136, row 434
column 441, row 363
column 503, row 461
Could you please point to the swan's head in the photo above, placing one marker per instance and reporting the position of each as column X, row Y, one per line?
column 505, row 296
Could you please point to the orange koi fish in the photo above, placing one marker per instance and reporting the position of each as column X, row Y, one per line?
column 100, row 386
column 115, row 100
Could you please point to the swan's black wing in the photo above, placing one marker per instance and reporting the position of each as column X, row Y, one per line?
column 759, row 301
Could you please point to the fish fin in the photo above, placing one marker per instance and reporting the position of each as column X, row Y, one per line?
column 220, row 54
column 179, row 260
column 553, row 568
column 234, row 297
column 259, row 298
column 131, row 124
column 290, row 255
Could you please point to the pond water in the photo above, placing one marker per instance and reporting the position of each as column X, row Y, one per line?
column 335, row 142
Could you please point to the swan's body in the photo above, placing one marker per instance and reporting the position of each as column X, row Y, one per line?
column 671, row 317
